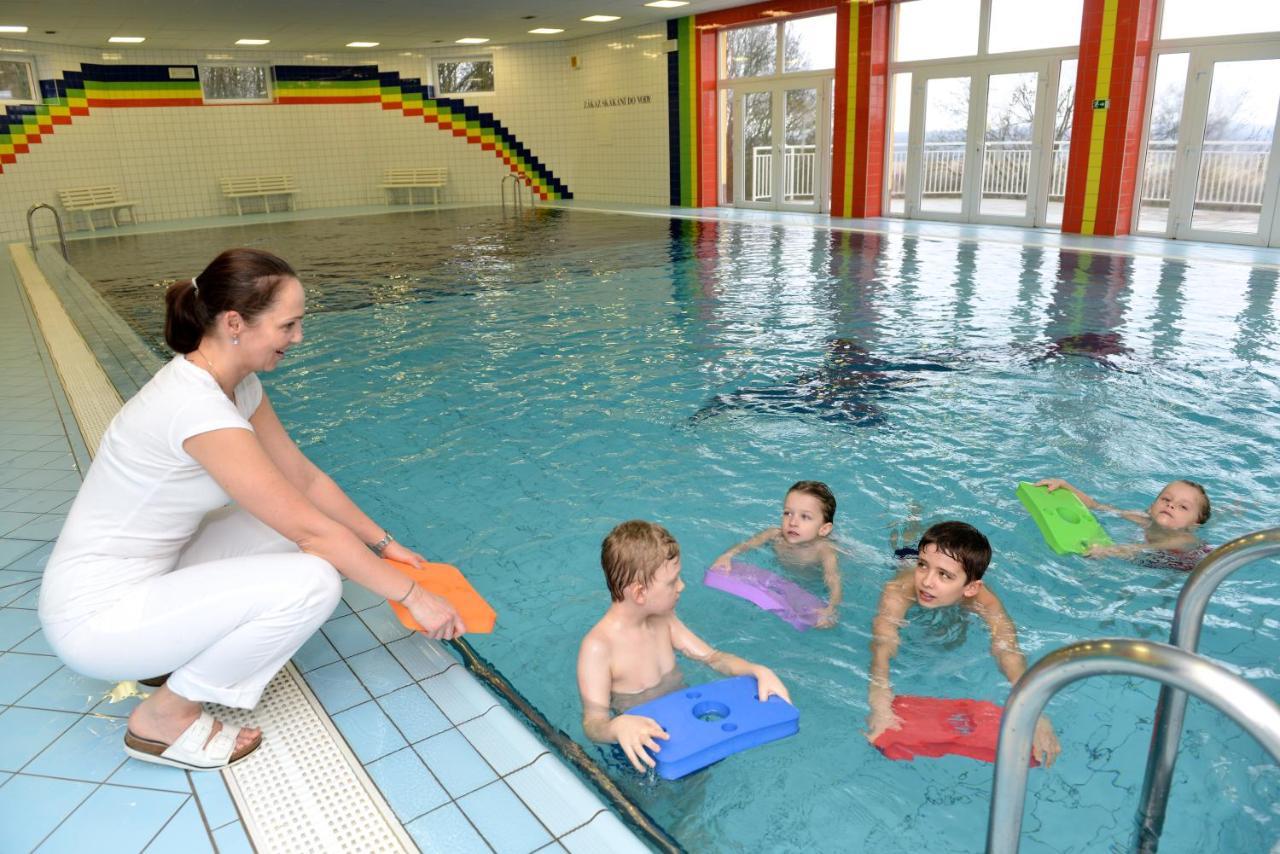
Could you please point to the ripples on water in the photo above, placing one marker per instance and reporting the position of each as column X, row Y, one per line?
column 501, row 392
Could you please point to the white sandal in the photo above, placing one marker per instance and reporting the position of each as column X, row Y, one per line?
column 194, row 750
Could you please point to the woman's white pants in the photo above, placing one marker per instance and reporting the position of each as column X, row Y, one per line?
column 237, row 606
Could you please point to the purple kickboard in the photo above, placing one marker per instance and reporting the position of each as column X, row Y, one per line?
column 768, row 591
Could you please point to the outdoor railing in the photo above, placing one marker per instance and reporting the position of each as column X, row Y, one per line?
column 797, row 183
column 1231, row 174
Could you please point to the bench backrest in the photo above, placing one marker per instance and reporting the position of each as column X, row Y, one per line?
column 257, row 184
column 87, row 197
column 416, row 176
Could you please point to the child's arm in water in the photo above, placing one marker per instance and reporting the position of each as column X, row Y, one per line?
column 633, row 733
column 885, row 637
column 692, row 646
column 835, row 593
column 724, row 562
column 1138, row 517
column 1012, row 663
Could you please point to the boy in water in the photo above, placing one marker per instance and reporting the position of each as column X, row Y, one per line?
column 1168, row 525
column 628, row 658
column 949, row 564
column 801, row 541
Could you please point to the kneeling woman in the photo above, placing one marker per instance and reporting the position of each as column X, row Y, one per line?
column 156, row 573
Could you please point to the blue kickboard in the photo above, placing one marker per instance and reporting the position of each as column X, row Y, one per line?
column 709, row 722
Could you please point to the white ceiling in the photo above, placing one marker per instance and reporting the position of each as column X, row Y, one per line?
column 322, row 24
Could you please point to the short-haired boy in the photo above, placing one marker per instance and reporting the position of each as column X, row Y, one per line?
column 629, row 656
column 949, row 566
column 808, row 514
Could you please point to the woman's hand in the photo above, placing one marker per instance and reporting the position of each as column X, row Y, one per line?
column 437, row 617
column 395, row 551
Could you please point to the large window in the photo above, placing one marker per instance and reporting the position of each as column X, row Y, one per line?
column 763, row 50
column 1182, row 19
column 464, row 76
column 934, row 29
column 17, row 81
column 236, row 83
column 1034, row 24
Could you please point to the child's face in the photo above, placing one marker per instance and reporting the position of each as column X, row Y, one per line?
column 940, row 579
column 1177, row 507
column 663, row 592
column 802, row 518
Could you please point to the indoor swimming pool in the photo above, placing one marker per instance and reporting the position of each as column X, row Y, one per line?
column 500, row 391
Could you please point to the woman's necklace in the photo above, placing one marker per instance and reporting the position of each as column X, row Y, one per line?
column 212, row 370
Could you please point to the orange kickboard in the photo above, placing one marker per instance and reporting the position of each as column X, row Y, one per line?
column 446, row 581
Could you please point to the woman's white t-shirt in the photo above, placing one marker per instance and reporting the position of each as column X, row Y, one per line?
column 144, row 496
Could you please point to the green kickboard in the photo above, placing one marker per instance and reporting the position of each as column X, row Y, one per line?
column 1066, row 524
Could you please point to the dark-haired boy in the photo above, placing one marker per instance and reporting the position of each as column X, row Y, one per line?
column 802, row 540
column 949, row 564
column 628, row 658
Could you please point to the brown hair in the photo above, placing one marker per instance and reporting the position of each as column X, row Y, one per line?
column 1205, row 509
column 241, row 280
column 632, row 552
column 963, row 542
column 820, row 491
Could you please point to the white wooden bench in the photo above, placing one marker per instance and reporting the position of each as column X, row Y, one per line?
column 86, row 200
column 426, row 177
column 258, row 186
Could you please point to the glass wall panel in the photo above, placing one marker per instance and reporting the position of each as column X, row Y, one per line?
column 1064, row 107
column 946, row 121
column 751, row 51
column 899, row 131
column 1236, row 147
column 933, row 29
column 1034, row 24
column 757, row 137
column 1006, row 143
column 809, row 44
column 800, row 154
column 1184, row 19
column 1162, row 142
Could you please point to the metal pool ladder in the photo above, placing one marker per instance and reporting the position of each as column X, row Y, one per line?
column 517, row 203
column 1175, row 665
column 1171, row 707
column 31, row 229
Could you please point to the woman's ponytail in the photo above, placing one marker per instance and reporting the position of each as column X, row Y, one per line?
column 185, row 317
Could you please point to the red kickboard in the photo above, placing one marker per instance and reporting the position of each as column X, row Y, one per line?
column 937, row 726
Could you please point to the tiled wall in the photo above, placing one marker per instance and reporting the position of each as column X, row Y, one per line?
column 169, row 159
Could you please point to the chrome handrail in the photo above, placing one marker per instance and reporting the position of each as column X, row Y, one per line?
column 1214, row 684
column 518, row 203
column 31, row 229
column 1171, row 707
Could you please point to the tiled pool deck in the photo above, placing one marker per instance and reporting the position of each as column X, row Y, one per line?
column 458, row 770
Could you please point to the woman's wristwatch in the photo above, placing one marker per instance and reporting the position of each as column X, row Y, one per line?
column 381, row 545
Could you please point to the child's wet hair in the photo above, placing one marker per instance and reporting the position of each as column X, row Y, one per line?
column 1205, row 508
column 820, row 491
column 962, row 542
column 633, row 551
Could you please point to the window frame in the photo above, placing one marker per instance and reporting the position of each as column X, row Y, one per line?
column 33, row 79
column 459, row 58
column 779, row 51
column 270, row 78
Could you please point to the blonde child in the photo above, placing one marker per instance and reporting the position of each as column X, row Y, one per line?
column 629, row 658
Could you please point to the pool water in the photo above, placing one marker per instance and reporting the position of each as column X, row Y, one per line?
column 501, row 392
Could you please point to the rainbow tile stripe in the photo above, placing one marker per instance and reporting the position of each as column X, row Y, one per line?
column 150, row 86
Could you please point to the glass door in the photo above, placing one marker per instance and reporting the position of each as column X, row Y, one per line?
column 979, row 145
column 754, row 152
column 936, row 174
column 782, row 151
column 1211, row 147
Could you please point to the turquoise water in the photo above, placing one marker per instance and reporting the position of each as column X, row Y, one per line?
column 500, row 393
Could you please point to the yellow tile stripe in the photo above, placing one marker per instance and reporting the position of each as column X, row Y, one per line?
column 851, row 112
column 1098, row 136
